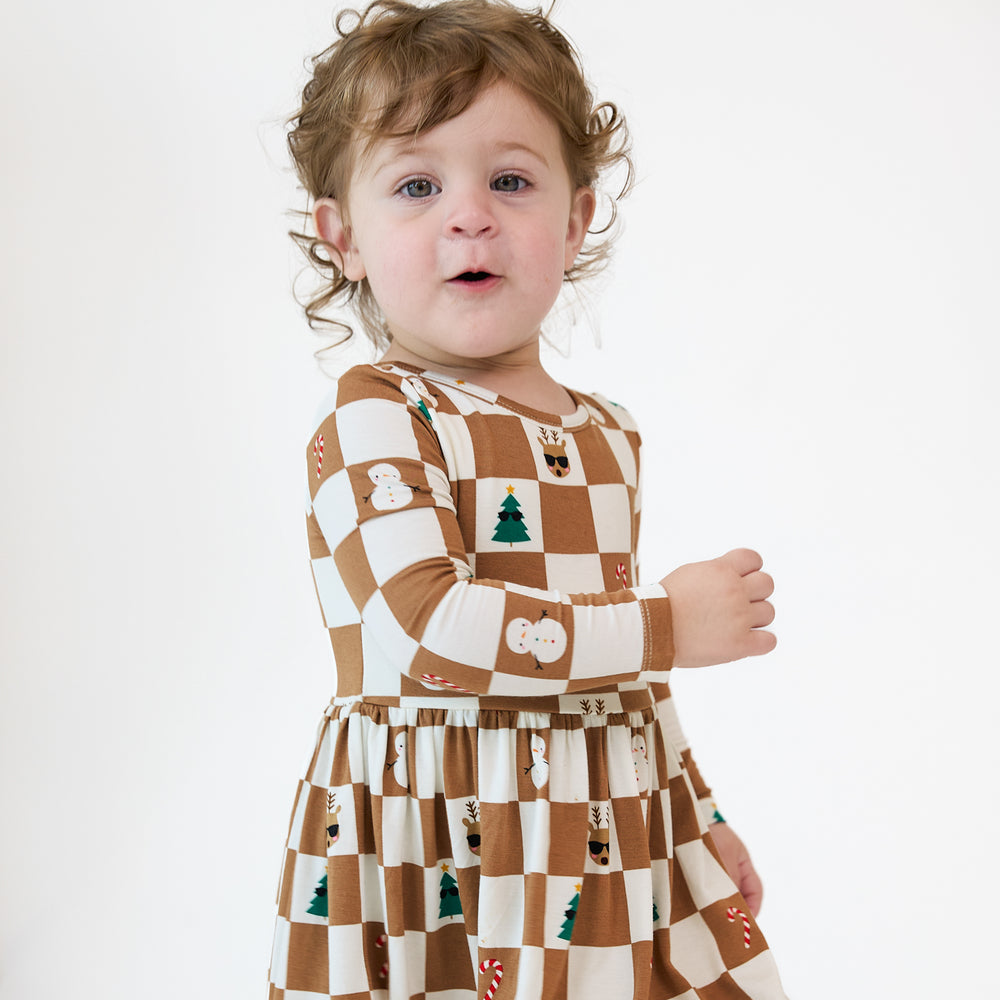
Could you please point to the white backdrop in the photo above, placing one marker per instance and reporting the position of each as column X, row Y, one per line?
column 803, row 315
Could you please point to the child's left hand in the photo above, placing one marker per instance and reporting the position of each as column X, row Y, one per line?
column 736, row 858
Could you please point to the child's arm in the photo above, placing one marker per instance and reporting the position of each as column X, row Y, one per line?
column 388, row 553
column 736, row 858
column 731, row 849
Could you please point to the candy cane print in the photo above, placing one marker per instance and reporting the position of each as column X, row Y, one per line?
column 492, row 963
column 380, row 943
column 732, row 913
column 318, row 454
column 434, row 679
column 622, row 577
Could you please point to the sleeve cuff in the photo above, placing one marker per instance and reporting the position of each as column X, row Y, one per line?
column 659, row 652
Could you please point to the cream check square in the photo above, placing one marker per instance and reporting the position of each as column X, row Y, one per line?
column 375, row 430
column 580, row 574
column 309, row 872
column 335, row 508
column 428, row 743
column 536, row 834
column 463, row 603
column 612, row 644
column 501, row 901
column 346, row 976
column 612, row 517
column 390, row 648
column 401, row 814
column 298, row 816
column 754, row 977
column 694, row 951
column 507, row 516
column 396, row 541
column 336, row 604
column 619, row 444
column 456, row 440
column 713, row 883
column 616, row 966
column 557, row 458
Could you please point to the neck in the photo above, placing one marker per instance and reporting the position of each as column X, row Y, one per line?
column 520, row 377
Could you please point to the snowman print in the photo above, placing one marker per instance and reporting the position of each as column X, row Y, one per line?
column 545, row 639
column 398, row 766
column 390, row 491
column 640, row 762
column 539, row 766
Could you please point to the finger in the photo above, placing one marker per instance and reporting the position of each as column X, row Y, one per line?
column 761, row 614
column 759, row 642
column 743, row 561
column 758, row 586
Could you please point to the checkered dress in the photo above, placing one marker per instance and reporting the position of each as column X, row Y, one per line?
column 494, row 807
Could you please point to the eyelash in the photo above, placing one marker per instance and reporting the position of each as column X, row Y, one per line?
column 410, row 181
column 402, row 190
column 523, row 181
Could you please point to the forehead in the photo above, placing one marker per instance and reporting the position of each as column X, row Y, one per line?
column 500, row 116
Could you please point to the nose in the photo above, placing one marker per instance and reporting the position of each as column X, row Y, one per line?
column 470, row 214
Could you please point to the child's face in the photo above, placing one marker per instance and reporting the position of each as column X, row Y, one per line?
column 464, row 233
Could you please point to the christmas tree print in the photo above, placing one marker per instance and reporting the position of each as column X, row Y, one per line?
column 656, row 912
column 567, row 928
column 450, row 903
column 319, row 907
column 510, row 521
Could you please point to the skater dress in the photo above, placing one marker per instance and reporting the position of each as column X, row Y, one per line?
column 494, row 806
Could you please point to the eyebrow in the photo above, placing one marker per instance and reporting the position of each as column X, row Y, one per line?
column 396, row 149
column 520, row 147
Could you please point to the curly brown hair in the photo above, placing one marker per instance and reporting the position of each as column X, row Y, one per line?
column 398, row 69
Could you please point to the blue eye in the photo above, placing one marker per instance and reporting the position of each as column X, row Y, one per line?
column 419, row 187
column 509, row 183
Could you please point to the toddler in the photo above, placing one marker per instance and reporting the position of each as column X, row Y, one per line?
column 500, row 802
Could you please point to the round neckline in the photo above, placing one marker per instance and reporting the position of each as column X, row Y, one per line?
column 574, row 421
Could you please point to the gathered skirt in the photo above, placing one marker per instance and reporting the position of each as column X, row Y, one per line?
column 463, row 853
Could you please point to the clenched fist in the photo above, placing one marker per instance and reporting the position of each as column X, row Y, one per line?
column 720, row 608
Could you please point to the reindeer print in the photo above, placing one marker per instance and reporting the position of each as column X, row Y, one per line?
column 555, row 452
column 599, row 838
column 473, row 828
column 332, row 823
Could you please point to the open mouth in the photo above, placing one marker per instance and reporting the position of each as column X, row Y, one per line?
column 473, row 276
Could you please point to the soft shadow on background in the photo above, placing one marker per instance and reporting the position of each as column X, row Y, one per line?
column 803, row 315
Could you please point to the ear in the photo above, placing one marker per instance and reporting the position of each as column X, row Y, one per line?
column 581, row 214
column 333, row 229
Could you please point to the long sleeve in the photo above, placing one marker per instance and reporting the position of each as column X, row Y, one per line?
column 390, row 562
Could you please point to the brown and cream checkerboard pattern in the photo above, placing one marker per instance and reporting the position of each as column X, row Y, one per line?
column 492, row 807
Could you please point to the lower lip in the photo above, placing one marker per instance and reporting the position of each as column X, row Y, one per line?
column 476, row 287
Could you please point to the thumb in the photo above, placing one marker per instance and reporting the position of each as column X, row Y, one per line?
column 758, row 642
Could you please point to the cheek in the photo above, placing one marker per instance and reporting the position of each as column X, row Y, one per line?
column 545, row 255
column 393, row 270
